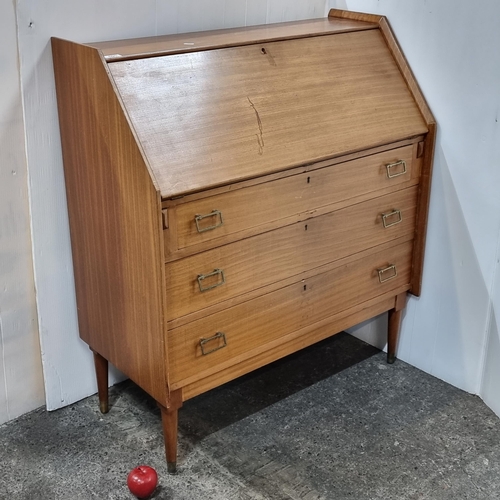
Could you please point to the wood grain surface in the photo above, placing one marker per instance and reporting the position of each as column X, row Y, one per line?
column 282, row 198
column 266, row 318
column 406, row 72
column 424, row 197
column 115, row 223
column 287, row 130
column 355, row 16
column 216, row 117
column 291, row 343
column 117, row 50
column 275, row 255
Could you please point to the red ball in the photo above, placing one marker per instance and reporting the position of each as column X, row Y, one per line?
column 142, row 481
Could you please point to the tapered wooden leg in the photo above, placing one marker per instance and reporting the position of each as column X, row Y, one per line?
column 101, row 372
column 394, row 327
column 169, row 419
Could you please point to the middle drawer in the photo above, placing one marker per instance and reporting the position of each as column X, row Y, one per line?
column 204, row 279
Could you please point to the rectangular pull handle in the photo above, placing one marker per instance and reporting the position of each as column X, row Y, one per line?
column 395, row 216
column 219, row 345
column 215, row 214
column 387, row 273
column 216, row 272
column 396, row 169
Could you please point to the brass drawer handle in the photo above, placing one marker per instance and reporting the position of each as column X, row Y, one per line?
column 218, row 335
column 387, row 269
column 215, row 272
column 214, row 213
column 390, row 166
column 392, row 214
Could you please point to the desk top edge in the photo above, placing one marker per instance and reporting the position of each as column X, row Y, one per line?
column 134, row 48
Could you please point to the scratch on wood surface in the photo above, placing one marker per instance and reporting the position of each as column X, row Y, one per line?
column 269, row 57
column 260, row 136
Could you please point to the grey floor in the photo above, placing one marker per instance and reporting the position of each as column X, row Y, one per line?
column 333, row 422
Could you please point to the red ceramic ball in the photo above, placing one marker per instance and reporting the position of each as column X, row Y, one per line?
column 142, row 481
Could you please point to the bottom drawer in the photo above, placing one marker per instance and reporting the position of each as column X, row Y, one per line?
column 227, row 335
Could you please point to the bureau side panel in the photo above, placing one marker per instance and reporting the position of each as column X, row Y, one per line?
column 428, row 155
column 354, row 16
column 429, row 141
column 114, row 212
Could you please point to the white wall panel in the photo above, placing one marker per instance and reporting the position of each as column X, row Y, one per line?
column 234, row 13
column 256, row 12
column 67, row 361
column 200, row 15
column 451, row 331
column 21, row 382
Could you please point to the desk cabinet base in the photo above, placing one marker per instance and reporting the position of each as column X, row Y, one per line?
column 169, row 413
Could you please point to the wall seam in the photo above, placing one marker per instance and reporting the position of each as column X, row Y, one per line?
column 29, row 192
column 489, row 319
column 2, row 341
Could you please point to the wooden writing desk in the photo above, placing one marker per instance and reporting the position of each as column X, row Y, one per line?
column 237, row 195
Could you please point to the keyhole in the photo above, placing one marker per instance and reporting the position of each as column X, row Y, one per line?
column 308, row 180
column 263, row 50
column 305, row 227
column 305, row 287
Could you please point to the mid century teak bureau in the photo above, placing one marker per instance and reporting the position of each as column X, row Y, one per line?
column 237, row 195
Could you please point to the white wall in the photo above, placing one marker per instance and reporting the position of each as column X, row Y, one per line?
column 67, row 362
column 452, row 331
column 21, row 381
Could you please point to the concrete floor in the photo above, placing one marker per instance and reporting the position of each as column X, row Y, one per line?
column 333, row 422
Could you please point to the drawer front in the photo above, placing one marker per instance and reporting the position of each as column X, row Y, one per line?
column 216, row 217
column 204, row 279
column 227, row 335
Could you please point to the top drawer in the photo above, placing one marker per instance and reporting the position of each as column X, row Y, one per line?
column 214, row 220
